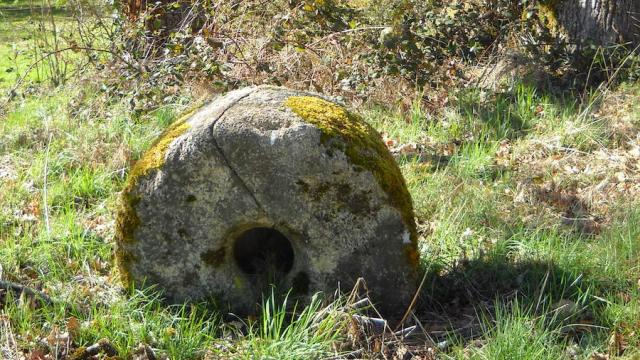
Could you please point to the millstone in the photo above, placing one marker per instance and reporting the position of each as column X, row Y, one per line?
column 264, row 186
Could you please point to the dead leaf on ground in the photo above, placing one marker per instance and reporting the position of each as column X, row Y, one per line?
column 599, row 356
column 617, row 344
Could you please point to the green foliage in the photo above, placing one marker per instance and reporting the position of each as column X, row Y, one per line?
column 310, row 19
column 424, row 35
column 309, row 334
column 517, row 333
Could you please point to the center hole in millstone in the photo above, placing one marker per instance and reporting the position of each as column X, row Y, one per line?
column 263, row 250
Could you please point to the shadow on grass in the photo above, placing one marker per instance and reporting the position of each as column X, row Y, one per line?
column 511, row 113
column 475, row 282
column 459, row 301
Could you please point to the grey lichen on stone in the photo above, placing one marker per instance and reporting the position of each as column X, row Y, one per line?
column 276, row 170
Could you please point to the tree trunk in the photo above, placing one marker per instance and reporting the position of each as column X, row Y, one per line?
column 599, row 22
column 133, row 8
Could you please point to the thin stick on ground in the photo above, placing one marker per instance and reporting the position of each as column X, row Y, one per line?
column 413, row 301
column 44, row 188
column 8, row 347
column 16, row 290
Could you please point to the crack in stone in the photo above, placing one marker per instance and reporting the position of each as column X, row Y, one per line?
column 237, row 176
column 224, row 156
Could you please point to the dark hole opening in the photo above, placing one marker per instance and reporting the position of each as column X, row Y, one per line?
column 300, row 284
column 263, row 251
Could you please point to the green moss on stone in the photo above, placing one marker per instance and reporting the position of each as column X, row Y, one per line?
column 127, row 219
column 314, row 191
column 126, row 222
column 363, row 146
column 214, row 258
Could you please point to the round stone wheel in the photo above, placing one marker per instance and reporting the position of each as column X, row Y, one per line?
column 263, row 186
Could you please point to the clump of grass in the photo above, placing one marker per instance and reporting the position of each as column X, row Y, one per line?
column 486, row 235
column 310, row 333
column 182, row 331
column 516, row 332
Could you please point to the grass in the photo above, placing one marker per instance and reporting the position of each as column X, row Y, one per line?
column 30, row 32
column 475, row 233
column 280, row 335
column 514, row 232
column 473, row 239
column 180, row 331
column 516, row 333
column 14, row 45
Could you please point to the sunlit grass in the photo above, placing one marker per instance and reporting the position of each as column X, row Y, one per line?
column 470, row 226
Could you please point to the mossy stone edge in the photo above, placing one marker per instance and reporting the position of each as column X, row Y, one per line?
column 127, row 219
column 364, row 147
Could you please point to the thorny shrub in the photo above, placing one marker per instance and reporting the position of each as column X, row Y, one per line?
column 361, row 49
column 326, row 45
column 339, row 46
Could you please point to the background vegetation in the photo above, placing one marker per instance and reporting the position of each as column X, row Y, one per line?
column 522, row 155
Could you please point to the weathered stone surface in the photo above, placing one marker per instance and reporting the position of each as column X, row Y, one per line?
column 268, row 185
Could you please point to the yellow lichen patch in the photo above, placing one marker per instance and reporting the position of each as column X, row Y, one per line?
column 126, row 222
column 154, row 157
column 364, row 147
column 127, row 219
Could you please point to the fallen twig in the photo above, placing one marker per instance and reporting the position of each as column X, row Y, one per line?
column 8, row 348
column 18, row 290
column 414, row 300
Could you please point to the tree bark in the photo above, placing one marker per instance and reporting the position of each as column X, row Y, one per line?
column 599, row 22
